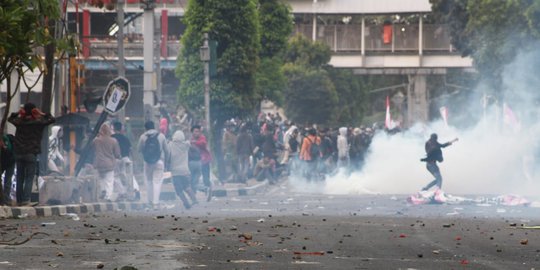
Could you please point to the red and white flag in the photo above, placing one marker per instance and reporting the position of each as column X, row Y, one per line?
column 388, row 119
column 510, row 119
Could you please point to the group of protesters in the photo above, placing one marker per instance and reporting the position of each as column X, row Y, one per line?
column 271, row 147
column 180, row 158
column 265, row 148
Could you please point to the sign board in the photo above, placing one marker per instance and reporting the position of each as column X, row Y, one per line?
column 116, row 95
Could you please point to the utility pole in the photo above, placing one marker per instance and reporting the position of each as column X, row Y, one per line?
column 205, row 57
column 148, row 45
column 120, row 42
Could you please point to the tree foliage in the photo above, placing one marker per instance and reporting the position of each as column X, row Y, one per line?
column 276, row 24
column 234, row 25
column 24, row 30
column 270, row 80
column 310, row 96
column 491, row 32
column 303, row 51
column 352, row 96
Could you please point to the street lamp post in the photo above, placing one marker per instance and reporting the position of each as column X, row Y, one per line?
column 205, row 57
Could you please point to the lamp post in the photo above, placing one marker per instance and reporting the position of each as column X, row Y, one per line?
column 205, row 58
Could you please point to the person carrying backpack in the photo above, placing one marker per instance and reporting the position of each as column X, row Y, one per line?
column 310, row 153
column 153, row 148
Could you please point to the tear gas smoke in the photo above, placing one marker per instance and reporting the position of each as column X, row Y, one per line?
column 496, row 155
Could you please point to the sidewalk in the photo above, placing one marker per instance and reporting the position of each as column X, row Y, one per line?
column 228, row 189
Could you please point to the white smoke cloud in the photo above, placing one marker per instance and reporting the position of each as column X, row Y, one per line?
column 493, row 157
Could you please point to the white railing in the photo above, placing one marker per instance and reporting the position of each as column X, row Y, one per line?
column 405, row 38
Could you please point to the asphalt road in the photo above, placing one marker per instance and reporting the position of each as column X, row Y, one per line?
column 281, row 230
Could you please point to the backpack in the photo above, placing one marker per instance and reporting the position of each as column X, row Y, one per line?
column 314, row 150
column 152, row 149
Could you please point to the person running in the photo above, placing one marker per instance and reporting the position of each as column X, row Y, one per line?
column 153, row 147
column 177, row 163
column 434, row 155
column 199, row 140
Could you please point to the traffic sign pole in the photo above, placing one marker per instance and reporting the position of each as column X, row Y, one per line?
column 114, row 99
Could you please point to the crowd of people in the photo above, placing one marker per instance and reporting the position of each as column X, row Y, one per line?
column 267, row 148
column 271, row 147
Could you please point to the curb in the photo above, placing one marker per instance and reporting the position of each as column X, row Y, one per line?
column 88, row 208
column 59, row 210
column 244, row 191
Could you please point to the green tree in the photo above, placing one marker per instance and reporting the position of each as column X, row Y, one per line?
column 271, row 81
column 234, row 25
column 302, row 51
column 491, row 32
column 352, row 96
column 310, row 95
column 276, row 23
column 24, row 30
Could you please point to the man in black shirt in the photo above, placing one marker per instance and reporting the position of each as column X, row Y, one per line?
column 124, row 170
column 434, row 155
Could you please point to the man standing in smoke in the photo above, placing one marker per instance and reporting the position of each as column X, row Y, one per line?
column 434, row 155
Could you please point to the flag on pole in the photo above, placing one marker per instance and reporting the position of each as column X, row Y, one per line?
column 509, row 118
column 388, row 119
column 444, row 114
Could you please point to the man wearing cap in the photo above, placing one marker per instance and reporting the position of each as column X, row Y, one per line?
column 434, row 155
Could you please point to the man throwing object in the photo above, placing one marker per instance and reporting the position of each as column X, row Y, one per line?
column 434, row 155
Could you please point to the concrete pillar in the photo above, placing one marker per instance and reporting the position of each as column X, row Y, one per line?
column 363, row 41
column 15, row 101
column 417, row 100
column 421, row 36
column 120, row 43
column 363, row 37
column 314, row 30
column 158, row 34
column 148, row 47
column 86, row 33
column 164, row 32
